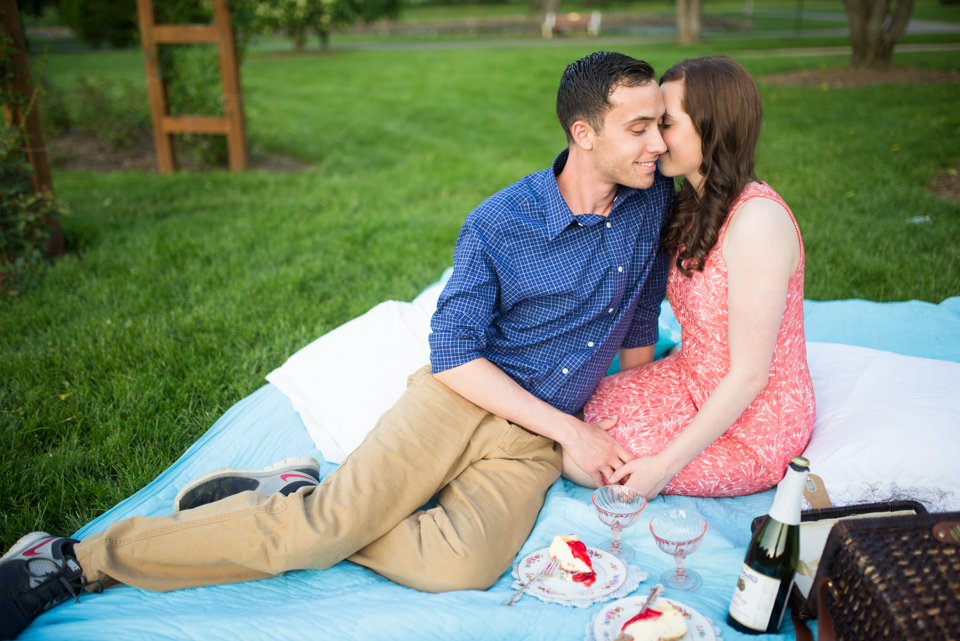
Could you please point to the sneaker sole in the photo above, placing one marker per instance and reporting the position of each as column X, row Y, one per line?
column 25, row 542
column 293, row 463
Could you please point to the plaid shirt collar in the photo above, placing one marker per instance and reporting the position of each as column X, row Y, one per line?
column 559, row 216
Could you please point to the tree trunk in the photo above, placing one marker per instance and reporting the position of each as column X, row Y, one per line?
column 299, row 36
column 871, row 37
column 324, row 38
column 688, row 21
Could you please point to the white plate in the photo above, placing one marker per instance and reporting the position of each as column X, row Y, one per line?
column 607, row 623
column 611, row 574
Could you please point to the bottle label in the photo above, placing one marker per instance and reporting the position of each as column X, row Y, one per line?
column 754, row 598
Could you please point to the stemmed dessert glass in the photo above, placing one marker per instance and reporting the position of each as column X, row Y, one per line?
column 679, row 533
column 618, row 507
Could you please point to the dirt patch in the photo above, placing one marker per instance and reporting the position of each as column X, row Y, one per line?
column 947, row 184
column 83, row 151
column 848, row 78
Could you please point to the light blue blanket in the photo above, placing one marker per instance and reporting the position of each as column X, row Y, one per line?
column 351, row 602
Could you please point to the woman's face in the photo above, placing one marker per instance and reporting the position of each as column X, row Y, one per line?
column 684, row 151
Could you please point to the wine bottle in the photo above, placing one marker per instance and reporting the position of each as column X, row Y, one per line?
column 760, row 597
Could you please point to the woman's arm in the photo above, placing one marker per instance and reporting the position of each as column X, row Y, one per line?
column 762, row 251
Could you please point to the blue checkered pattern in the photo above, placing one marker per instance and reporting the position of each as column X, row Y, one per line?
column 550, row 297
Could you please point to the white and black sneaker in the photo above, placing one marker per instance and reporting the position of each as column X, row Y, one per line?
column 285, row 477
column 37, row 573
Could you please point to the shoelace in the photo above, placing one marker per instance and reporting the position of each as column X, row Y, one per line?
column 84, row 584
column 56, row 587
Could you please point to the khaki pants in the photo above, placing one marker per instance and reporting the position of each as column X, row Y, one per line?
column 491, row 477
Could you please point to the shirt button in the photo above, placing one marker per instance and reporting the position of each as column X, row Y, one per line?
column 566, row 371
column 619, row 269
column 590, row 344
column 610, row 311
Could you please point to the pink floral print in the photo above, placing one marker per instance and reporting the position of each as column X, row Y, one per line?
column 657, row 401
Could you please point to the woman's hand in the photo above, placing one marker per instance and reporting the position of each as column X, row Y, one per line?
column 647, row 475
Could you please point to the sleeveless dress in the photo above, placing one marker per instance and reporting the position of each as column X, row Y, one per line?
column 655, row 402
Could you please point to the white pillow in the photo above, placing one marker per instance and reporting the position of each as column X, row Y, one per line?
column 343, row 382
column 887, row 427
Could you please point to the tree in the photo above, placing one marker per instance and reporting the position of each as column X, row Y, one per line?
column 872, row 36
column 322, row 16
column 688, row 21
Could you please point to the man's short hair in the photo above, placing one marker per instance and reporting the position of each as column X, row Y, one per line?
column 586, row 86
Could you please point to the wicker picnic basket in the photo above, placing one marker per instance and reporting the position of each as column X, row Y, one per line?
column 894, row 577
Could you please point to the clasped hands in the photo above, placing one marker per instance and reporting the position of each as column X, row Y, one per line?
column 607, row 462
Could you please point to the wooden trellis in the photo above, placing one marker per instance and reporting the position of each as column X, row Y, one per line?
column 231, row 124
column 35, row 149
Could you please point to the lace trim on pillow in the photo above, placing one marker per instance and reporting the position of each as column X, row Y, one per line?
column 934, row 499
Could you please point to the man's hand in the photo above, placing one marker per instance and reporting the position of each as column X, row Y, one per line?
column 596, row 453
column 647, row 475
column 586, row 445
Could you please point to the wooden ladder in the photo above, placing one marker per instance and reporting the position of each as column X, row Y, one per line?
column 231, row 124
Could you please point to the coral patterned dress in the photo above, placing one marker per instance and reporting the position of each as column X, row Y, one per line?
column 655, row 402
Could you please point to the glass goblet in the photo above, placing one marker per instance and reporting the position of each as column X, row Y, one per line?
column 618, row 507
column 679, row 533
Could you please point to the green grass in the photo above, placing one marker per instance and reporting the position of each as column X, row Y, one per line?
column 923, row 9
column 181, row 292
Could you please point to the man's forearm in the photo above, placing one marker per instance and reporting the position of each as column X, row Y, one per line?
column 484, row 384
column 594, row 451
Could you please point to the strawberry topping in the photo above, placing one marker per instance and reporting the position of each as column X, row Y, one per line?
column 579, row 551
column 646, row 614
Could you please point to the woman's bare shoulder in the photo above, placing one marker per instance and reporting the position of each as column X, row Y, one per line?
column 762, row 226
column 761, row 220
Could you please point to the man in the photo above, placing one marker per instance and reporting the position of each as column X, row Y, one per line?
column 539, row 302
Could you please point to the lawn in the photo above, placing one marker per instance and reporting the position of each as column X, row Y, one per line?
column 182, row 292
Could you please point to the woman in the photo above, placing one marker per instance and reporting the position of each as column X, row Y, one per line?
column 724, row 415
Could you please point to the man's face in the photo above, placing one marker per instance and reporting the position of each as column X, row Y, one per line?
column 626, row 149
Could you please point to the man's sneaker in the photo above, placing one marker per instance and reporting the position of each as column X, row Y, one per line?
column 285, row 477
column 37, row 573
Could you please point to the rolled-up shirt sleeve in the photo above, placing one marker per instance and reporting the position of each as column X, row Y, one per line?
column 645, row 328
column 467, row 308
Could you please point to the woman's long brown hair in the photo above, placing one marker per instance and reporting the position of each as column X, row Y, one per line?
column 723, row 102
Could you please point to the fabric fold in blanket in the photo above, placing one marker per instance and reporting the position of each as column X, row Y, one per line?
column 351, row 602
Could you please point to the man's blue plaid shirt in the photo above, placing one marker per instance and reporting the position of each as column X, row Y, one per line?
column 548, row 296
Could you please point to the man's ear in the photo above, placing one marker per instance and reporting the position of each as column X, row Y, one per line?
column 583, row 135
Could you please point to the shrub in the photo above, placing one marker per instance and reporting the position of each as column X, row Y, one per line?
column 192, row 75
column 56, row 112
column 26, row 218
column 192, row 72
column 99, row 21
column 117, row 116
